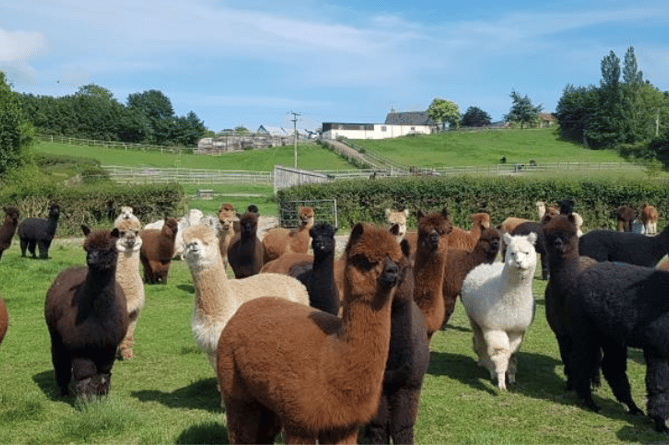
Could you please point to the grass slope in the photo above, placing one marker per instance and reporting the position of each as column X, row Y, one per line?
column 167, row 394
column 460, row 148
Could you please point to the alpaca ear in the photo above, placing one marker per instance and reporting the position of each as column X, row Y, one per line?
column 507, row 238
column 406, row 213
column 85, row 229
column 356, row 233
column 406, row 248
column 444, row 212
column 420, row 214
column 532, row 238
column 572, row 219
column 115, row 233
column 387, row 213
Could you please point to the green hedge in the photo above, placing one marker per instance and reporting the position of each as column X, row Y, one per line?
column 596, row 199
column 95, row 205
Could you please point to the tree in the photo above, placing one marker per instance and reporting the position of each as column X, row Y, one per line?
column 158, row 109
column 523, row 111
column 16, row 134
column 444, row 111
column 475, row 117
column 93, row 90
column 188, row 130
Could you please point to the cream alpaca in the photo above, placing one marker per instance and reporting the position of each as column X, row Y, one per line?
column 217, row 298
column 128, row 276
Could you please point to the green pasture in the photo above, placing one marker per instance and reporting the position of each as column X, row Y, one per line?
column 167, row 393
column 458, row 148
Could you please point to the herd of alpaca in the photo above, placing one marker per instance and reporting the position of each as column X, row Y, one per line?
column 320, row 348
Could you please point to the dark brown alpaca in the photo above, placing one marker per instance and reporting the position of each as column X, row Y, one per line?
column 460, row 262
column 316, row 376
column 87, row 318
column 431, row 252
column 4, row 320
column 157, row 251
column 8, row 228
column 281, row 240
column 624, row 218
column 245, row 253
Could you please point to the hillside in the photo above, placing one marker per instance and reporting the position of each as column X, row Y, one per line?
column 460, row 148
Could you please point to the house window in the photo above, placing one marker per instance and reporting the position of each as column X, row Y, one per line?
column 383, row 128
column 413, row 128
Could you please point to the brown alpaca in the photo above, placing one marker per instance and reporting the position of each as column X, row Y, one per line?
column 649, row 219
column 87, row 317
column 460, row 239
column 431, row 252
column 460, row 262
column 227, row 216
column 157, row 251
column 280, row 240
column 286, row 261
column 245, row 252
column 8, row 228
column 316, row 376
column 4, row 320
column 624, row 218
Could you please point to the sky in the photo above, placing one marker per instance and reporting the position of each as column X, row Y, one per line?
column 255, row 62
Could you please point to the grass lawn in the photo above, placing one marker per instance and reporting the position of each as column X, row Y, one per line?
column 459, row 148
column 167, row 394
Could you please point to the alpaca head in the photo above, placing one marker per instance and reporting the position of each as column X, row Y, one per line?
column 126, row 213
column 372, row 262
column 12, row 214
column 54, row 211
column 433, row 230
column 322, row 238
column 194, row 216
column 561, row 237
column 488, row 242
column 566, row 206
column 226, row 216
column 248, row 224
column 129, row 239
column 170, row 227
column 398, row 218
column 201, row 249
column 520, row 252
column 100, row 247
column 306, row 217
column 481, row 219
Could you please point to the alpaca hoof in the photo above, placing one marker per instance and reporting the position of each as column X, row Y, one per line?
column 92, row 387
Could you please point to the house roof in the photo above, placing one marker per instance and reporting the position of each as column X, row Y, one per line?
column 409, row 118
column 273, row 131
column 549, row 117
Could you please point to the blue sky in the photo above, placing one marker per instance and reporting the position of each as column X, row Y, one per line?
column 253, row 62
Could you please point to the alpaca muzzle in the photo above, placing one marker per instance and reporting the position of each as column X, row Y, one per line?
column 391, row 274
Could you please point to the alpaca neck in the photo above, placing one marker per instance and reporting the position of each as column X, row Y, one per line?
column 429, row 276
column 97, row 294
column 213, row 293
column 127, row 264
column 323, row 292
column 515, row 281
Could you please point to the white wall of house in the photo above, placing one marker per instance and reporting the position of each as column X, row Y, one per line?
column 379, row 131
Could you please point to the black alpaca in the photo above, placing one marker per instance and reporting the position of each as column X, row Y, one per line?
column 318, row 276
column 408, row 360
column 616, row 306
column 8, row 228
column 39, row 232
column 245, row 253
column 564, row 264
column 625, row 247
column 87, row 318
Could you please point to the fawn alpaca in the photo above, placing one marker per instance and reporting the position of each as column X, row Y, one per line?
column 317, row 376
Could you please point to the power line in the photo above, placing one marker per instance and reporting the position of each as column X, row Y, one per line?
column 294, row 120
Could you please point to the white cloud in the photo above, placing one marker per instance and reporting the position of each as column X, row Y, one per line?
column 20, row 46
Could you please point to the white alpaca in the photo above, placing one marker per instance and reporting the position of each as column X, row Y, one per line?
column 500, row 306
column 128, row 276
column 217, row 298
column 126, row 215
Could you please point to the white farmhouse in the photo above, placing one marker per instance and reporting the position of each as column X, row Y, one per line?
column 396, row 124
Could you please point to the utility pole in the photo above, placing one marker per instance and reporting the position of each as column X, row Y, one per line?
column 294, row 119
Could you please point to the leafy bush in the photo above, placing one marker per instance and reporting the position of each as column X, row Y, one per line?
column 596, row 199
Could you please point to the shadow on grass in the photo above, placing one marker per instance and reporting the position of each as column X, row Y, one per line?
column 46, row 381
column 206, row 433
column 202, row 394
column 186, row 288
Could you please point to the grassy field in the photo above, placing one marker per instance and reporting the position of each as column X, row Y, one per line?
column 484, row 148
column 167, row 394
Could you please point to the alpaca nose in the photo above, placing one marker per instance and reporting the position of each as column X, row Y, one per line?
column 390, row 275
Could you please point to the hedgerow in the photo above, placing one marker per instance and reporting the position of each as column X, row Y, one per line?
column 596, row 199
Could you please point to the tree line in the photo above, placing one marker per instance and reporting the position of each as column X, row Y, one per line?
column 93, row 113
column 627, row 113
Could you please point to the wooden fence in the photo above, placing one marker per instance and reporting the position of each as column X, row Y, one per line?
column 145, row 175
column 113, row 144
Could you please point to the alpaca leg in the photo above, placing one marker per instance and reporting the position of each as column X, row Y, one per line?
column 478, row 344
column 377, row 431
column 515, row 340
column 657, row 387
column 614, row 368
column 24, row 246
column 404, row 412
column 125, row 348
column 62, row 365
column 585, row 355
column 498, row 350
column 250, row 422
column 345, row 436
column 31, row 247
column 43, row 248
